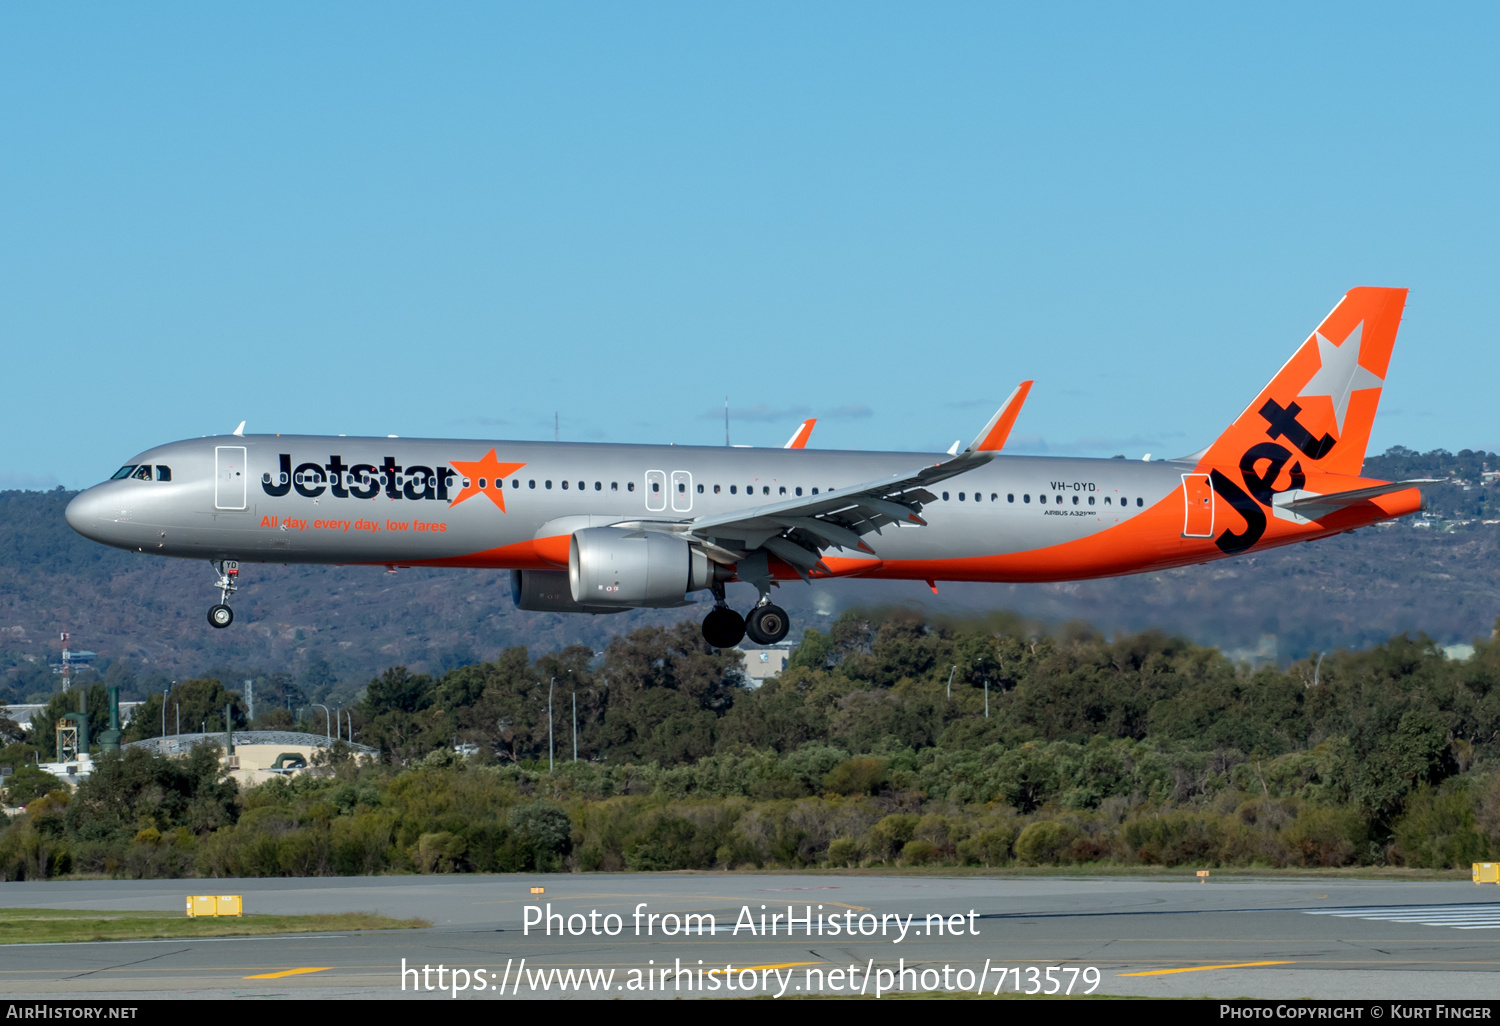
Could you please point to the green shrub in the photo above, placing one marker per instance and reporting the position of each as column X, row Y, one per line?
column 863, row 774
column 1046, row 842
column 920, row 853
column 991, row 847
column 890, row 835
column 842, row 851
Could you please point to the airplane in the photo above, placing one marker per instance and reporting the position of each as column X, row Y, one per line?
column 602, row 528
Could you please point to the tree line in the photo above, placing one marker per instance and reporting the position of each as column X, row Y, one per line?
column 891, row 739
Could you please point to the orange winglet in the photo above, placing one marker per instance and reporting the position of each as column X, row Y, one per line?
column 801, row 435
column 932, row 584
column 998, row 430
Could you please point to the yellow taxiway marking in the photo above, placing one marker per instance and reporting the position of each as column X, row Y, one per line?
column 757, row 968
column 1204, row 968
column 290, row 972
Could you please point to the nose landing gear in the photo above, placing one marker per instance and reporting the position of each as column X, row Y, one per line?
column 228, row 570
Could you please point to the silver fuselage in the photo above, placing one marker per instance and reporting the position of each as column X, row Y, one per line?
column 319, row 499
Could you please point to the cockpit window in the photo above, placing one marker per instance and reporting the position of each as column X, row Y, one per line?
column 163, row 473
column 123, row 473
column 143, row 472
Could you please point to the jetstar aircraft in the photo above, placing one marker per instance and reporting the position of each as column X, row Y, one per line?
column 586, row 528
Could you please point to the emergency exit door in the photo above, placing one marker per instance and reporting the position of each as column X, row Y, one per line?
column 682, row 491
column 229, row 477
column 1198, row 502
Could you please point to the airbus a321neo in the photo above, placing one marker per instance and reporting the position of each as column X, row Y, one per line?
column 593, row 528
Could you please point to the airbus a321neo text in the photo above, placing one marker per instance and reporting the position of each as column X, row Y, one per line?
column 592, row 528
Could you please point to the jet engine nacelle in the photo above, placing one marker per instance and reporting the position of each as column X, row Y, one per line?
column 627, row 569
column 547, row 591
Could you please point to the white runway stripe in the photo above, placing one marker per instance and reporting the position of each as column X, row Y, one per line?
column 1458, row 917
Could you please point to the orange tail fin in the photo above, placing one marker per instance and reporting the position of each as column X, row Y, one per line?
column 1321, row 405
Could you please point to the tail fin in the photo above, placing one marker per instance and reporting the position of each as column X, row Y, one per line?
column 1322, row 403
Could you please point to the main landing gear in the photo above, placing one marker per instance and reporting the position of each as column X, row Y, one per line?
column 724, row 628
column 228, row 570
column 767, row 624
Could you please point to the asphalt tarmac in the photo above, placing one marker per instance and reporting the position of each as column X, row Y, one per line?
column 1265, row 938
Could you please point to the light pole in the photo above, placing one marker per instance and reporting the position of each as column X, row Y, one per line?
column 575, row 724
column 550, row 685
column 950, row 679
column 164, row 712
column 327, row 720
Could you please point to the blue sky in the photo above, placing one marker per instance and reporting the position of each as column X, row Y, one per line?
column 460, row 219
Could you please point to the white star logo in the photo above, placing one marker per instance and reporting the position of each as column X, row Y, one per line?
column 1340, row 373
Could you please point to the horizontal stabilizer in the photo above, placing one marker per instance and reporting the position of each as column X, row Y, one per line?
column 1312, row 506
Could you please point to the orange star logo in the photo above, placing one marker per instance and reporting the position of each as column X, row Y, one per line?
column 484, row 477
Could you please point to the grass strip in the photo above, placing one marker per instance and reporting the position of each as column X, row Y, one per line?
column 54, row 925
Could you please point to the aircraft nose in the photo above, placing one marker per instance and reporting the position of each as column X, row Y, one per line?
column 86, row 514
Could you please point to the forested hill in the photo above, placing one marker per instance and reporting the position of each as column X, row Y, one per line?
column 336, row 627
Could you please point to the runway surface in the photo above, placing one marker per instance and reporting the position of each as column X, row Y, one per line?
column 1281, row 938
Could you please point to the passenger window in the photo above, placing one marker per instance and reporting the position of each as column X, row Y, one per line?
column 655, row 487
column 700, row 489
column 960, row 496
column 529, row 484
column 815, row 491
column 598, row 486
column 681, row 488
column 995, row 497
column 630, row 486
column 1106, row 500
column 766, row 490
column 1091, row 500
column 945, row 496
column 716, row 489
column 1075, row 500
column 125, row 472
column 515, row 482
column 1059, row 500
column 1140, row 502
column 143, row 472
column 783, row 490
column 549, row 484
column 614, row 486
column 163, row 473
column 799, row 489
column 1026, row 497
column 483, row 484
column 732, row 489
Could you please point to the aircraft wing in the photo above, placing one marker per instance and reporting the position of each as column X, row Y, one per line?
column 1312, row 506
column 797, row 531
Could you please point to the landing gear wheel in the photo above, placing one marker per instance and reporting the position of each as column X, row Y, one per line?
column 723, row 627
column 220, row 615
column 767, row 624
